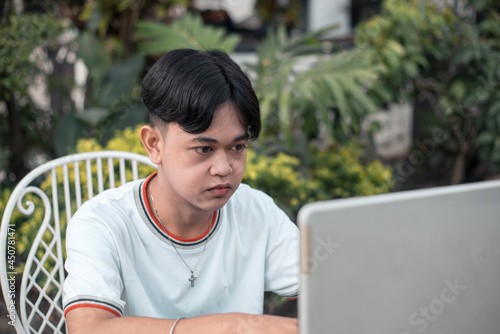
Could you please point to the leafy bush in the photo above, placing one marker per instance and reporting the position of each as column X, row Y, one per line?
column 338, row 173
column 453, row 63
column 330, row 94
column 280, row 178
column 187, row 32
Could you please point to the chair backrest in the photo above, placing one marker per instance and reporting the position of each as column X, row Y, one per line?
column 52, row 193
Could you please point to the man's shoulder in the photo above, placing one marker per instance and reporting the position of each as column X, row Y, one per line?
column 111, row 211
column 255, row 212
column 250, row 201
column 115, row 197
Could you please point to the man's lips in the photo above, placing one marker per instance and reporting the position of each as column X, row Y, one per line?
column 220, row 190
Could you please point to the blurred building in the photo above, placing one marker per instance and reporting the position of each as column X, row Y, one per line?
column 242, row 16
column 247, row 17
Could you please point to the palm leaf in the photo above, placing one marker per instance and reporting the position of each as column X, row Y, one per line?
column 159, row 38
column 346, row 76
column 337, row 82
column 188, row 32
column 285, row 105
column 339, row 95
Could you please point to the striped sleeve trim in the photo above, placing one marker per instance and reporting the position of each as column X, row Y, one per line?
column 91, row 302
column 292, row 296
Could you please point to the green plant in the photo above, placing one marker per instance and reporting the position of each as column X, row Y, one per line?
column 188, row 32
column 452, row 63
column 112, row 101
column 23, row 125
column 115, row 22
column 295, row 102
column 340, row 173
column 334, row 173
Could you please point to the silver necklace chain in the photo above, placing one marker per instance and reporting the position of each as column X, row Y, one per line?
column 155, row 212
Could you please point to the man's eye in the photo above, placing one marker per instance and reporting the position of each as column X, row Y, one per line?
column 240, row 147
column 204, row 149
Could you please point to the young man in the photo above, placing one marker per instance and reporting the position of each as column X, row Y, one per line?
column 189, row 249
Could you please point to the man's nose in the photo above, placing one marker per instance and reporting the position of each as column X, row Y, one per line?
column 222, row 165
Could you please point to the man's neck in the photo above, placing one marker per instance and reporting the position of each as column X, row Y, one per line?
column 185, row 223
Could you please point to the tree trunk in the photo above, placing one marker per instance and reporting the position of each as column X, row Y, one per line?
column 458, row 172
column 15, row 141
column 4, row 9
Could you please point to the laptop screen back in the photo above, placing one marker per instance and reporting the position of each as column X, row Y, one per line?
column 424, row 261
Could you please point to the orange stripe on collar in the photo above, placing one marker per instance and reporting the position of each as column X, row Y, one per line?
column 160, row 226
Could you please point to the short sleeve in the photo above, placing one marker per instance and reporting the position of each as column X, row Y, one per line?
column 282, row 254
column 93, row 265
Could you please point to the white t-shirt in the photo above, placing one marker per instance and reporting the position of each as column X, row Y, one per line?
column 120, row 259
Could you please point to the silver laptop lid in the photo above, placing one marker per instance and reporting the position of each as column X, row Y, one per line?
column 424, row 261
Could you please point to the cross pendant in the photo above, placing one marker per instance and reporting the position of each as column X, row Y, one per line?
column 192, row 278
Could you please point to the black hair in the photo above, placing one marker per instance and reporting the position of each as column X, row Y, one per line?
column 186, row 86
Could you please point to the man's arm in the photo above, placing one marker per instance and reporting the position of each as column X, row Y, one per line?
column 92, row 320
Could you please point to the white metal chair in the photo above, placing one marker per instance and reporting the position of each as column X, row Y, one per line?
column 51, row 193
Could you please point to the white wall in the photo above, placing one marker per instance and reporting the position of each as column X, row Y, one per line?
column 321, row 13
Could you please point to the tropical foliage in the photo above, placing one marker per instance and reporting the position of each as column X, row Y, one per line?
column 453, row 64
column 295, row 101
column 188, row 32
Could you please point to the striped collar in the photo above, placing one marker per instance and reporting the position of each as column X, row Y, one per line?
column 152, row 223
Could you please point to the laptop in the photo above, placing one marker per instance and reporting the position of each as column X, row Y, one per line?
column 423, row 261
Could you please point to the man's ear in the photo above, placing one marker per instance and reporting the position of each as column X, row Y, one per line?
column 152, row 139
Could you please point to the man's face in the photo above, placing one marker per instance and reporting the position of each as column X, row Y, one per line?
column 202, row 171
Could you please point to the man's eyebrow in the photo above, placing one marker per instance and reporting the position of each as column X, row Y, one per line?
column 242, row 137
column 204, row 139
